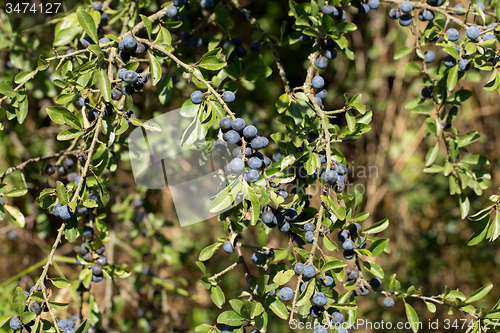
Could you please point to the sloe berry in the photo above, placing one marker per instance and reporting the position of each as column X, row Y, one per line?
column 305, row 39
column 328, row 10
column 255, row 46
column 128, row 43
column 116, row 94
column 254, row 163
column 87, row 41
column 252, row 176
column 406, row 6
column 320, row 329
column 309, row 271
column 102, row 260
column 327, row 281
column 259, row 142
column 228, row 96
column 321, row 62
column 318, row 82
column 171, row 11
column 375, row 283
column 363, row 9
column 405, row 20
column 228, row 247
column 429, row 56
column 319, row 299
column 464, row 65
column 130, row 77
column 394, row 13
column 88, row 232
column 232, row 137
column 207, row 4
column 239, row 124
column 226, row 124
column 97, row 5
column 452, row 34
column 36, row 308
column 250, row 132
column 322, row 94
column 286, row 294
column 196, row 97
column 473, row 32
column 337, row 318
column 427, row 92
column 237, row 165
column 16, row 323
column 179, row 3
column 258, row 258
column 459, row 6
column 298, row 268
column 389, row 302
column 124, row 56
column 50, row 169
column 303, row 286
column 348, row 254
column 373, row 4
column 97, row 269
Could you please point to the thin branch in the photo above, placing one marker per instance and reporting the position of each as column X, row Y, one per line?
column 36, row 159
column 224, row 271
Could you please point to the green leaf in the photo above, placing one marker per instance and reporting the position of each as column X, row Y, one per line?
column 4, row 320
column 479, row 234
column 374, row 269
column 258, row 72
column 279, row 309
column 217, row 296
column 378, row 246
column 377, row 227
column 412, row 317
column 312, row 164
column 334, row 264
column 494, row 230
column 83, row 327
column 209, row 251
column 17, row 192
column 451, row 81
column 212, row 60
column 63, row 116
column 66, row 36
column 59, row 306
column 431, row 155
column 283, row 277
column 155, row 68
column 433, row 169
column 431, row 307
column 165, row 88
column 357, row 104
column 16, row 215
column 69, row 134
column 468, row 138
column 104, row 85
column 464, row 205
column 19, row 301
column 60, row 283
column 147, row 24
column 402, row 52
column 478, row 294
column 230, row 318
column 330, row 246
column 88, row 24
column 283, row 103
column 27, row 316
column 24, row 76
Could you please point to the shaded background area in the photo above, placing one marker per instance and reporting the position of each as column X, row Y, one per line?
column 427, row 234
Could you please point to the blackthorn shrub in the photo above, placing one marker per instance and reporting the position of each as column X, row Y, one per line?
column 65, row 95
